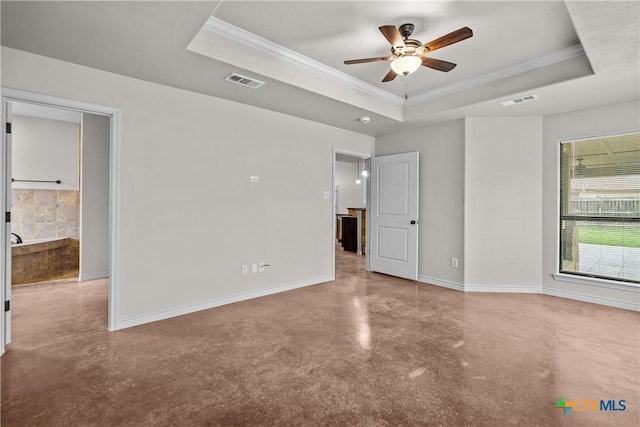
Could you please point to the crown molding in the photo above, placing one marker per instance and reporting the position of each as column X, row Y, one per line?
column 254, row 41
column 523, row 67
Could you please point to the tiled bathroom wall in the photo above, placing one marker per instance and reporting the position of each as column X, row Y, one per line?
column 41, row 214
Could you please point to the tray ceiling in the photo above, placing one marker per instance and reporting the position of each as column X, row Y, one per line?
column 518, row 48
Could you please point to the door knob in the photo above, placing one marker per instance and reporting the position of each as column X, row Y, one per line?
column 414, row 222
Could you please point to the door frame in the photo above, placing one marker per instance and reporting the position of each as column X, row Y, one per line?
column 9, row 95
column 334, row 222
column 5, row 233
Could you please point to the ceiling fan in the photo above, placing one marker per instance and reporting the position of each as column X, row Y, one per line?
column 407, row 55
column 580, row 170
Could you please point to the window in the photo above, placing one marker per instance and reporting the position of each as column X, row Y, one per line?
column 600, row 207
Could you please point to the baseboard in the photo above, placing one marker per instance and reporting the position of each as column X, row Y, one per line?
column 162, row 315
column 441, row 282
column 611, row 302
column 504, row 289
column 477, row 288
column 153, row 317
column 94, row 276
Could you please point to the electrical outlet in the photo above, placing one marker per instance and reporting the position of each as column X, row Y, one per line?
column 454, row 262
column 261, row 266
column 245, row 269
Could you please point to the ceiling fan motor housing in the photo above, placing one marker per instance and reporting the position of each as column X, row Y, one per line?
column 406, row 30
column 410, row 45
column 410, row 48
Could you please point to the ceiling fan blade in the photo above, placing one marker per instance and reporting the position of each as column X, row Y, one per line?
column 390, row 76
column 362, row 61
column 438, row 64
column 392, row 34
column 451, row 38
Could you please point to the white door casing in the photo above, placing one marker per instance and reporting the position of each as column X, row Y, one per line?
column 393, row 215
column 9, row 95
column 6, row 234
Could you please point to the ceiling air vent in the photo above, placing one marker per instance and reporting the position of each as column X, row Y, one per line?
column 244, row 81
column 519, row 100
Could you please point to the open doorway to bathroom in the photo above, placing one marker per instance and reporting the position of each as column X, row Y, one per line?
column 57, row 195
column 45, row 194
column 351, row 179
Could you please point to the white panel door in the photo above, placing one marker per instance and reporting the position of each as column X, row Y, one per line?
column 6, row 234
column 393, row 215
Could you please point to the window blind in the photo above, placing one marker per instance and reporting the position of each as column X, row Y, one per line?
column 600, row 207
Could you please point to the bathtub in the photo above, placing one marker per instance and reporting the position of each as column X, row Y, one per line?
column 37, row 244
column 43, row 259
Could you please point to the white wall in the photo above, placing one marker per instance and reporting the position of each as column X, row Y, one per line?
column 45, row 149
column 503, row 198
column 94, row 197
column 188, row 215
column 496, row 181
column 605, row 120
column 441, row 209
column 350, row 194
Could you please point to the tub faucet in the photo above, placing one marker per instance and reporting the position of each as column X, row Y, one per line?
column 17, row 240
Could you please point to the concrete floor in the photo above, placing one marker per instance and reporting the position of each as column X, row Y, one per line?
column 366, row 350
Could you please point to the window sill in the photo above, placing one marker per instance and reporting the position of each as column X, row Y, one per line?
column 592, row 281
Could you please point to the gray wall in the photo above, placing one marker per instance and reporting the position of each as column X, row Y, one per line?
column 350, row 194
column 184, row 176
column 497, row 181
column 480, row 198
column 441, row 209
column 45, row 149
column 94, row 197
column 189, row 217
column 503, row 196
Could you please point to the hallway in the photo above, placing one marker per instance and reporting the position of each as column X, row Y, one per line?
column 367, row 349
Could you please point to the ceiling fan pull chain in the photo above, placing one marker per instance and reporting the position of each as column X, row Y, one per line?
column 406, row 97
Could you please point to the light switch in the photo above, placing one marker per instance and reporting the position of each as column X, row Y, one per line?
column 326, row 195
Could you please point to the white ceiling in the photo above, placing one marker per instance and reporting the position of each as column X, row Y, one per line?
column 571, row 54
column 333, row 32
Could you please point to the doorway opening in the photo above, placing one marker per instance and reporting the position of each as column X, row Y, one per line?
column 57, row 189
column 350, row 196
column 45, row 193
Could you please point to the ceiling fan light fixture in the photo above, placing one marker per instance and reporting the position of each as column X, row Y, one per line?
column 580, row 170
column 406, row 65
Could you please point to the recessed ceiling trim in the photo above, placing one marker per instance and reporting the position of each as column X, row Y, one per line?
column 543, row 61
column 249, row 39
